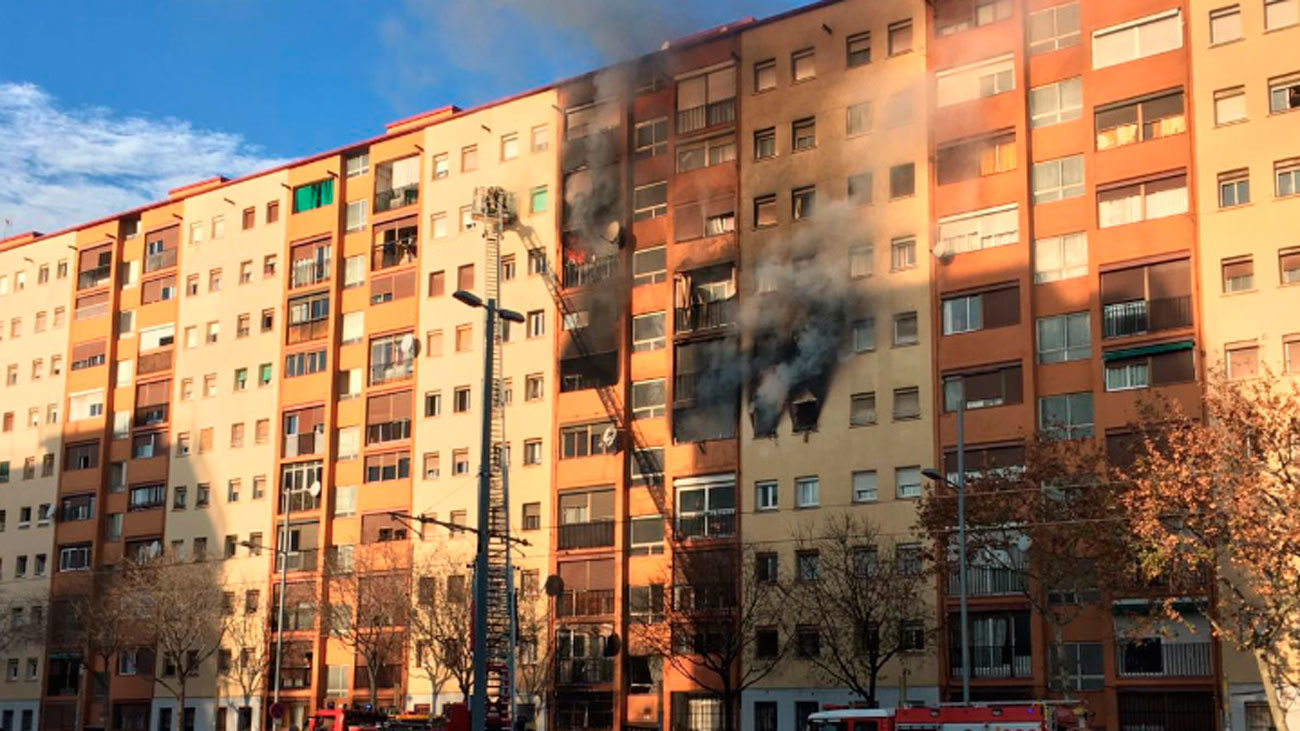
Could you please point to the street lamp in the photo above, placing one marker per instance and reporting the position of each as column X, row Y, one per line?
column 478, row 701
column 956, row 389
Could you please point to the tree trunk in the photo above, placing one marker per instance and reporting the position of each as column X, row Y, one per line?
column 728, row 709
column 871, row 686
column 1058, row 652
column 374, row 686
column 180, row 712
column 1272, row 693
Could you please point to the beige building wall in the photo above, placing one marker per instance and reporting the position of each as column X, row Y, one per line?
column 35, row 295
column 237, row 468
column 450, row 494
column 850, row 243
column 1239, row 136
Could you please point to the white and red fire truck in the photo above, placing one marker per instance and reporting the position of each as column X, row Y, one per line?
column 962, row 717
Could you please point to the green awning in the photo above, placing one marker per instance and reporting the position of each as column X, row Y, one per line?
column 1156, row 349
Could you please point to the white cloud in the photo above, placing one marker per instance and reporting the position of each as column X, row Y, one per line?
column 60, row 166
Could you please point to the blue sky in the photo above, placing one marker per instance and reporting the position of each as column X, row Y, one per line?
column 228, row 86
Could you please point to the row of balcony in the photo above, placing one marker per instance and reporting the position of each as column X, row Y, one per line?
column 720, row 523
column 1133, row 659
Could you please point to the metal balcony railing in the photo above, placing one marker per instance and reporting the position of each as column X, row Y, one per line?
column 704, row 597
column 685, row 386
column 590, row 272
column 161, row 260
column 1182, row 659
column 993, row 661
column 593, row 534
column 707, row 524
column 987, row 581
column 384, row 372
column 1142, row 316
column 396, row 252
column 387, row 200
column 584, row 671
column 146, row 416
column 706, row 115
column 706, row 315
column 585, row 603
column 94, row 277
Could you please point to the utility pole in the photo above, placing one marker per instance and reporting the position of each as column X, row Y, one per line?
column 478, row 702
column 957, row 389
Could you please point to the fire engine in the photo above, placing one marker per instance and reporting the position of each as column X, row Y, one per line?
column 972, row 717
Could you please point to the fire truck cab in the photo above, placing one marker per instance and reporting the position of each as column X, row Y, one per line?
column 973, row 717
column 345, row 719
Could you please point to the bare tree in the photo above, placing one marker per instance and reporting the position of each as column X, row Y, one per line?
column 250, row 649
column 712, row 628
column 535, row 660
column 439, row 622
column 22, row 622
column 862, row 606
column 1039, row 525
column 183, row 606
column 95, row 619
column 1223, row 492
column 367, row 605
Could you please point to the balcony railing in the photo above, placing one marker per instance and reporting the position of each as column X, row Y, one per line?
column 303, row 560
column 1182, row 659
column 590, row 272
column 94, row 277
column 987, row 581
column 706, row 115
column 387, row 200
column 297, row 445
column 384, row 372
column 297, row 501
column 1142, row 316
column 305, row 331
column 154, row 362
column 584, row 671
column 305, row 272
column 389, row 431
column 993, row 661
column 706, row 315
column 161, row 260
column 708, row 524
column 295, row 678
column 146, row 416
column 593, row 534
column 585, row 603
column 704, row 597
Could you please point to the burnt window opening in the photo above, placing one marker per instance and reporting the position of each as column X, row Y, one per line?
column 804, row 413
column 591, row 371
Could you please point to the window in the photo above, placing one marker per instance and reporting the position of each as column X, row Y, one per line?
column 588, row 439
column 1060, row 257
column 765, row 75
column 469, row 158
column 976, row 230
column 862, row 409
column 1133, row 202
column 1234, row 188
column 975, row 81
column 765, row 143
column 541, row 138
column 1054, row 28
column 907, row 482
column 532, row 452
column 1281, row 13
column 902, row 254
column 386, row 467
column 1058, row 179
column 907, row 403
column 648, row 332
column 1238, row 274
column 707, row 153
column 900, row 37
column 537, row 199
column 905, row 329
column 803, row 134
column 985, row 388
column 649, row 201
column 803, row 65
column 1056, row 103
column 1064, row 337
column 984, row 310
column 802, row 201
column 1068, row 416
column 864, row 335
column 459, row 463
column 765, row 495
column 1243, row 361
column 1154, row 365
column 902, row 180
column 1225, row 24
column 1286, row 177
column 432, row 465
column 307, row 197
column 807, row 492
column 461, row 401
column 1140, row 120
column 536, row 323
column 509, row 146
column 1289, row 265
column 648, row 398
column 1137, row 39
column 1258, row 716
column 864, row 486
column 651, row 138
column 858, row 49
column 969, row 159
column 765, row 211
column 358, row 163
column 706, row 100
column 807, row 565
column 1230, row 105
column 533, row 387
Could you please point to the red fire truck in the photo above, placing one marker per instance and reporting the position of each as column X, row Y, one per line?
column 972, row 717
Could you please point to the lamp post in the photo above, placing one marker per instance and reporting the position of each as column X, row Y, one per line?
column 478, row 701
column 956, row 388
column 281, row 554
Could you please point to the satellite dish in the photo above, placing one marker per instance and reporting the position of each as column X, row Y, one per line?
column 554, row 585
column 946, row 257
column 314, row 489
column 613, row 230
column 408, row 344
column 609, row 436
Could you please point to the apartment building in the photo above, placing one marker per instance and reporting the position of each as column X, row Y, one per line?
column 1065, row 285
column 35, row 287
column 834, row 239
column 1245, row 82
